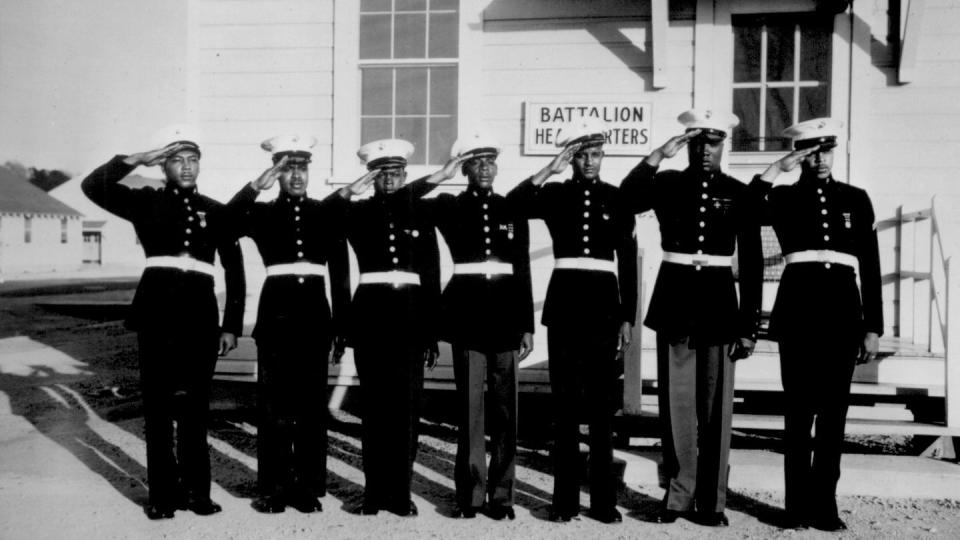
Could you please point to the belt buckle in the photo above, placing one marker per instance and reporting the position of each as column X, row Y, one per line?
column 701, row 261
column 822, row 256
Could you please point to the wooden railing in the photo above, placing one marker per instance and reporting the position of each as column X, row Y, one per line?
column 920, row 296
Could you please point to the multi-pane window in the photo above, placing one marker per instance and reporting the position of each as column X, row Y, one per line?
column 781, row 75
column 27, row 229
column 63, row 230
column 408, row 65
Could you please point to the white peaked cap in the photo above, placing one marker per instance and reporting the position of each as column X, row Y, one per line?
column 385, row 153
column 588, row 130
column 814, row 132
column 709, row 120
column 177, row 133
column 290, row 144
column 476, row 144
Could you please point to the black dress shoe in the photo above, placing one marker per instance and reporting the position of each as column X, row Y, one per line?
column 271, row 504
column 500, row 511
column 666, row 515
column 561, row 516
column 606, row 515
column 465, row 512
column 369, row 509
column 407, row 509
column 713, row 519
column 305, row 503
column 793, row 521
column 156, row 511
column 203, row 507
column 829, row 523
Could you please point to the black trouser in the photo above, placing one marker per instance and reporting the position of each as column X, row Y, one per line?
column 499, row 369
column 391, row 384
column 175, row 373
column 292, row 404
column 696, row 411
column 583, row 373
column 816, row 384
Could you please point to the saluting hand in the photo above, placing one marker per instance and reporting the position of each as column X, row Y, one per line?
column 870, row 348
column 448, row 171
column 360, row 184
column 269, row 176
column 787, row 163
column 671, row 148
column 526, row 345
column 153, row 157
column 561, row 160
column 557, row 164
column 228, row 342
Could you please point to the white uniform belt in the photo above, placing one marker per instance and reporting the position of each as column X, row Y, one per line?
column 487, row 267
column 822, row 256
column 393, row 277
column 181, row 263
column 585, row 263
column 691, row 259
column 297, row 269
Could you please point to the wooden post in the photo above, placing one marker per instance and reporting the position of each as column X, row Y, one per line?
column 632, row 377
column 951, row 353
column 897, row 268
column 659, row 23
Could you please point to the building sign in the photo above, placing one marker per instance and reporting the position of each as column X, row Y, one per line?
column 629, row 125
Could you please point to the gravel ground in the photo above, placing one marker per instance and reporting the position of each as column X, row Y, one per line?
column 72, row 462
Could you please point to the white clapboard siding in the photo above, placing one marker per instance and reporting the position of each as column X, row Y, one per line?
column 559, row 56
column 269, row 84
column 257, row 108
column 265, row 36
column 579, row 32
column 277, row 60
column 249, row 156
column 237, row 132
column 919, row 100
column 257, row 12
column 500, row 10
column 262, row 67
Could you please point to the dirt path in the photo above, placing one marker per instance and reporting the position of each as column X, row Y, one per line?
column 72, row 465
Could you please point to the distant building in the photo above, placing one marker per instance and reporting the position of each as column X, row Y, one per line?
column 38, row 233
column 107, row 239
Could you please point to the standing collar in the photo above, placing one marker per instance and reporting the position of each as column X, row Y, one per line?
column 699, row 175
column 479, row 192
column 174, row 189
column 581, row 181
column 287, row 199
column 812, row 180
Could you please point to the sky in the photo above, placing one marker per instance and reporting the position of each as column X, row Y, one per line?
column 82, row 80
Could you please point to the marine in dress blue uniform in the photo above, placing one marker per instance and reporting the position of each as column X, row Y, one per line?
column 303, row 246
column 823, row 321
column 701, row 327
column 487, row 316
column 392, row 326
column 589, row 311
column 175, row 312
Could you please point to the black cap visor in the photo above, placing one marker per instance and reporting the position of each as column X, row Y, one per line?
column 825, row 143
column 387, row 162
column 188, row 145
column 293, row 156
column 708, row 135
column 480, row 152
